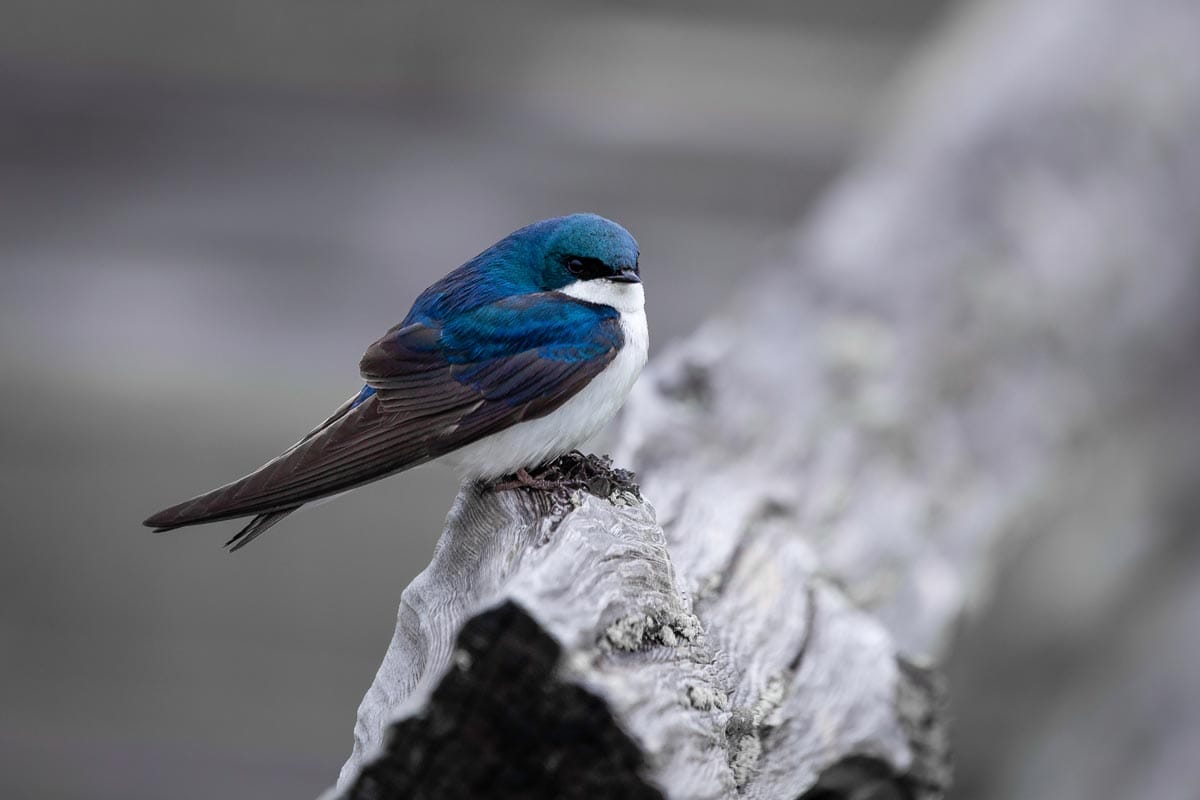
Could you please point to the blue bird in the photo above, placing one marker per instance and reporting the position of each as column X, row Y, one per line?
column 516, row 357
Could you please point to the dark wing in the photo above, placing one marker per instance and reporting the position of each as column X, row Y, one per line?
column 429, row 399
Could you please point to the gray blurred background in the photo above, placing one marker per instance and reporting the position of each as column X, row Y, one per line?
column 209, row 210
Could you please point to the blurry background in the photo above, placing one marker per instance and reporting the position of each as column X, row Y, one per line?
column 209, row 210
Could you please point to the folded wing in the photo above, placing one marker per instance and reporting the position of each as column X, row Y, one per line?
column 431, row 388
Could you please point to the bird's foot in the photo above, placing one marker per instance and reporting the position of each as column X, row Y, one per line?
column 574, row 471
column 524, row 480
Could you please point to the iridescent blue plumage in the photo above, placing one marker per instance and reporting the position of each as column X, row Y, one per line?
column 526, row 261
column 494, row 305
column 509, row 337
column 361, row 397
column 566, row 329
column 508, row 350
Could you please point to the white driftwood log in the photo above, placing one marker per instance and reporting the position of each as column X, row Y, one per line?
column 832, row 462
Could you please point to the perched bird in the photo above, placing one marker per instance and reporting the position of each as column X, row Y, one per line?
column 516, row 357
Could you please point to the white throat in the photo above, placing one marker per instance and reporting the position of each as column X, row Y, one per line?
column 628, row 298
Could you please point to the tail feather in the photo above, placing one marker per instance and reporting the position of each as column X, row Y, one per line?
column 257, row 527
column 230, row 501
column 214, row 506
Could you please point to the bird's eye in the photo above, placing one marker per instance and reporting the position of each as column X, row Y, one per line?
column 575, row 266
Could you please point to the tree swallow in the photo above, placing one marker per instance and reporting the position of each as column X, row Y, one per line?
column 513, row 359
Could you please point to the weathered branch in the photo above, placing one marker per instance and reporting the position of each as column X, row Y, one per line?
column 832, row 462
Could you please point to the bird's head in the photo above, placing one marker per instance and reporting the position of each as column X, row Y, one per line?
column 582, row 255
column 579, row 249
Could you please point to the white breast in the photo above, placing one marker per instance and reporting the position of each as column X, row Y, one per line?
column 530, row 443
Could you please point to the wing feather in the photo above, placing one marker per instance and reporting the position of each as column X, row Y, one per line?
column 429, row 399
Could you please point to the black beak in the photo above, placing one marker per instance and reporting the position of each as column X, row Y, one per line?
column 627, row 275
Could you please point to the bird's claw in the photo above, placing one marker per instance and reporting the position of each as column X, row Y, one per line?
column 524, row 480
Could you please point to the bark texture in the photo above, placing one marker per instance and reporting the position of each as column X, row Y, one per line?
column 827, row 470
